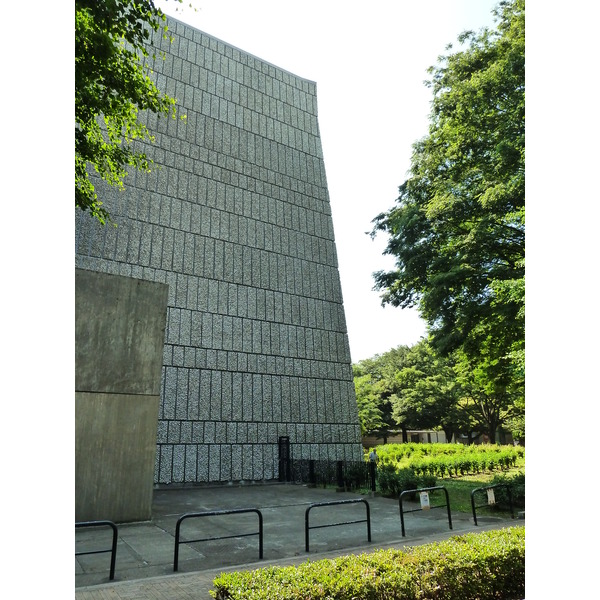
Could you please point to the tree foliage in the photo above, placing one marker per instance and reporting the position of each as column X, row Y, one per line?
column 457, row 230
column 427, row 393
column 370, row 414
column 112, row 86
column 376, row 386
column 492, row 395
column 417, row 387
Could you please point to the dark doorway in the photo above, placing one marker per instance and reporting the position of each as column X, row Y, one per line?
column 285, row 461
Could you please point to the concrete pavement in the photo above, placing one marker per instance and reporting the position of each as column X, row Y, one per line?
column 144, row 566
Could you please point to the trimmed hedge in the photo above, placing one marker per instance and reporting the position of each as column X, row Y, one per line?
column 392, row 482
column 517, row 484
column 482, row 566
column 441, row 460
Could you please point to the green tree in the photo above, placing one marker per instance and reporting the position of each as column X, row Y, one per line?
column 370, row 415
column 489, row 401
column 457, row 231
column 515, row 422
column 374, row 380
column 427, row 393
column 111, row 87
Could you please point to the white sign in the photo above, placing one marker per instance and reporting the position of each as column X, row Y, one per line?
column 425, row 500
column 491, row 497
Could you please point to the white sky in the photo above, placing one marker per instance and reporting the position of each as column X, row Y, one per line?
column 369, row 61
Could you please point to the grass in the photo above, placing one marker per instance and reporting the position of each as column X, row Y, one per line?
column 460, row 488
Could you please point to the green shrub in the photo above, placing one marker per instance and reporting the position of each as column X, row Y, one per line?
column 449, row 459
column 392, row 482
column 478, row 566
column 517, row 483
column 426, row 481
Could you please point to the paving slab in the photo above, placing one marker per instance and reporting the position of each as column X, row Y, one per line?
column 145, row 551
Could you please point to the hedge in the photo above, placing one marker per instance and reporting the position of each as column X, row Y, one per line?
column 473, row 566
column 440, row 460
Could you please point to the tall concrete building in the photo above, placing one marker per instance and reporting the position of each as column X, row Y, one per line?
column 235, row 218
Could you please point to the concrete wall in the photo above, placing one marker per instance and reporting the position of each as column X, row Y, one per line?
column 236, row 220
column 119, row 337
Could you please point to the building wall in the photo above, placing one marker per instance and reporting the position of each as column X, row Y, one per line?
column 236, row 221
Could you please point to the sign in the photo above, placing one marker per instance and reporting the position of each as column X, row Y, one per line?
column 425, row 500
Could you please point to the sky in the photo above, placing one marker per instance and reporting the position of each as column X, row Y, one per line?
column 369, row 61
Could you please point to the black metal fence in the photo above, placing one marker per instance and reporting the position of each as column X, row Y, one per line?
column 307, row 526
column 113, row 546
column 427, row 506
column 214, row 513
column 348, row 475
column 491, row 499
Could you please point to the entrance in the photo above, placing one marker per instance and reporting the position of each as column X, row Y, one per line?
column 285, row 460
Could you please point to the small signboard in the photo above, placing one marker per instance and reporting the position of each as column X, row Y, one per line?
column 425, row 500
column 491, row 497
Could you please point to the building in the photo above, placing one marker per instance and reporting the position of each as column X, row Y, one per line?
column 236, row 220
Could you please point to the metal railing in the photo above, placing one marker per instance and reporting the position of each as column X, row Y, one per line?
column 307, row 527
column 491, row 499
column 112, row 549
column 350, row 475
column 427, row 490
column 213, row 513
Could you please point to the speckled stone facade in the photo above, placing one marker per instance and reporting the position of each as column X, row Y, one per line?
column 236, row 220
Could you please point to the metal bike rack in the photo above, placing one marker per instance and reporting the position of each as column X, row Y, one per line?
column 307, row 527
column 429, row 489
column 112, row 549
column 224, row 537
column 485, row 489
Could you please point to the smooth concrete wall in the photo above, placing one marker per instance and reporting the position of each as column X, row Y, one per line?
column 119, row 332
column 115, row 448
column 119, row 337
column 236, row 219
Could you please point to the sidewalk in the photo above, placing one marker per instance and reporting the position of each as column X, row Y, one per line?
column 145, row 551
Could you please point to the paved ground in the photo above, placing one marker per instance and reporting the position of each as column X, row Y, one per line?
column 145, row 551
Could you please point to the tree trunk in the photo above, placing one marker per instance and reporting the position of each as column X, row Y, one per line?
column 493, row 424
column 404, row 435
column 448, row 433
column 471, row 438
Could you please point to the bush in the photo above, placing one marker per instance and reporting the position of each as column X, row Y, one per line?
column 517, row 484
column 473, row 566
column 449, row 459
column 392, row 482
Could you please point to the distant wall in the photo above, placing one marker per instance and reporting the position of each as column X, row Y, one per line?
column 421, row 437
column 235, row 218
column 119, row 338
column 434, row 437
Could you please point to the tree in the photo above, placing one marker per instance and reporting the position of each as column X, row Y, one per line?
column 111, row 88
column 427, row 393
column 370, row 415
column 457, row 231
column 375, row 385
column 488, row 400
